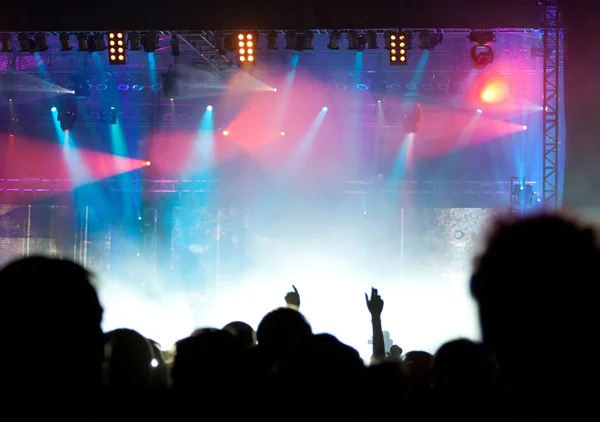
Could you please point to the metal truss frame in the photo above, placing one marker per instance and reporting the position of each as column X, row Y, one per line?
column 34, row 185
column 550, row 113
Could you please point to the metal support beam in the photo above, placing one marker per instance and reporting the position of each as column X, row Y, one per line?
column 550, row 113
column 445, row 188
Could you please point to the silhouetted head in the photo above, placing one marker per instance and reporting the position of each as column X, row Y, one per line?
column 462, row 366
column 533, row 285
column 282, row 330
column 395, row 352
column 242, row 330
column 132, row 361
column 208, row 358
column 50, row 320
column 418, row 365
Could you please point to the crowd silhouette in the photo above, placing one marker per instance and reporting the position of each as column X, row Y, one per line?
column 533, row 284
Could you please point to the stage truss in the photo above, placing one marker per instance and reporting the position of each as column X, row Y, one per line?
column 550, row 112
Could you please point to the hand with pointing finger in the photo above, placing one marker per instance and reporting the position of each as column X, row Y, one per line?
column 375, row 304
column 293, row 298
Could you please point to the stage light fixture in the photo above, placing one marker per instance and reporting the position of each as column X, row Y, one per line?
column 53, row 109
column 225, row 133
column 479, row 111
column 67, row 116
column 116, row 48
column 175, row 51
column 148, row 163
column 171, row 84
column 290, row 40
column 334, row 40
column 99, row 41
column 304, row 41
column 272, row 38
column 412, row 119
column 150, row 41
column 352, row 38
column 398, row 49
column 6, row 43
column 40, row 40
column 82, row 42
column 133, row 39
column 324, row 109
column 429, row 40
column 481, row 56
column 26, row 44
column 209, row 108
column 246, row 44
column 372, row 40
column 378, row 90
column 65, row 42
column 282, row 133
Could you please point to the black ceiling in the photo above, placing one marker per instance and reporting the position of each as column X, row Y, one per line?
column 72, row 15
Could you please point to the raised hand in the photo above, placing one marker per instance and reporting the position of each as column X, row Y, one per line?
column 375, row 304
column 293, row 298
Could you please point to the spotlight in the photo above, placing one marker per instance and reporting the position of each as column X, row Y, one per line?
column 134, row 41
column 175, row 52
column 99, row 42
column 82, row 42
column 481, row 56
column 246, row 44
column 325, row 109
column 352, row 38
column 65, row 42
column 209, row 108
column 274, row 89
column 398, row 49
column 524, row 127
column 26, row 44
column 479, row 111
column 272, row 38
column 412, row 119
column 171, row 84
column 53, row 109
column 304, row 41
column 282, row 133
column 290, row 40
column 428, row 40
column 372, row 40
column 494, row 91
column 148, row 163
column 116, row 50
column 334, row 40
column 6, row 43
column 67, row 115
column 225, row 133
column 150, row 42
column 40, row 39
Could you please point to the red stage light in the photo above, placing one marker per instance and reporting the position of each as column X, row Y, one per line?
column 494, row 91
column 225, row 133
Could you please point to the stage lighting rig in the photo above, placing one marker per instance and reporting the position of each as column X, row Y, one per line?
column 429, row 40
column 26, row 44
column 65, row 42
column 99, row 42
column 334, row 40
column 372, row 40
column 290, row 40
column 40, row 40
column 481, row 52
column 398, row 49
column 150, row 41
column 82, row 42
column 67, row 114
column 246, row 44
column 356, row 41
column 272, row 38
column 6, row 43
column 412, row 119
column 378, row 89
column 134, row 41
column 171, row 84
column 116, row 48
column 175, row 51
column 304, row 41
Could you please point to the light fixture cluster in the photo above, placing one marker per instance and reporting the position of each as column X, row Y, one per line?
column 398, row 48
column 116, row 50
column 246, row 45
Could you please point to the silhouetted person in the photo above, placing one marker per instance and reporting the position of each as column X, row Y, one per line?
column 133, row 363
column 281, row 331
column 243, row 331
column 534, row 285
column 52, row 341
column 466, row 383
